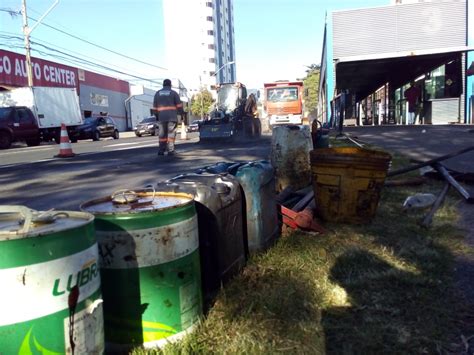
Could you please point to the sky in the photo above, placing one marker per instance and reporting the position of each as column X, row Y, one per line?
column 274, row 39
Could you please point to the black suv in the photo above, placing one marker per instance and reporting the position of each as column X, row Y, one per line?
column 148, row 125
column 18, row 124
column 96, row 128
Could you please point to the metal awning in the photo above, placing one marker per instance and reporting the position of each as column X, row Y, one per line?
column 364, row 75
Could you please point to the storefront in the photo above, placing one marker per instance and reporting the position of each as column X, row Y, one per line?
column 98, row 94
column 373, row 55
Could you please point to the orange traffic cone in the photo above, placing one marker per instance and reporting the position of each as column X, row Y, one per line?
column 65, row 148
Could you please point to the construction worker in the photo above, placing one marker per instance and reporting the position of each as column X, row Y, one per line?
column 166, row 106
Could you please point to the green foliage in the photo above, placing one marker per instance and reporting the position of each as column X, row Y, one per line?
column 201, row 102
column 311, row 85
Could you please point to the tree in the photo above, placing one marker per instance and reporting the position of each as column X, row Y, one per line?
column 201, row 103
column 311, row 85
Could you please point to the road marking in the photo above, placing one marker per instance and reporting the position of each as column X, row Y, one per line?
column 140, row 146
column 126, row 147
column 120, row 144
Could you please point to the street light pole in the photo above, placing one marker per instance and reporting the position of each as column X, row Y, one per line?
column 27, row 32
column 200, row 95
column 222, row 67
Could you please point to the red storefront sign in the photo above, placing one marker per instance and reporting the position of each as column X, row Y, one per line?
column 45, row 73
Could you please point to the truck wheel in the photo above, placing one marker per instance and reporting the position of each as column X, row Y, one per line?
column 116, row 134
column 57, row 138
column 248, row 127
column 33, row 142
column 5, row 140
column 96, row 136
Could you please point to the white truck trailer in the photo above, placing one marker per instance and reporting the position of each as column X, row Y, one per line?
column 51, row 107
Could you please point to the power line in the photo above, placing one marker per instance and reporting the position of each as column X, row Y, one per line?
column 70, row 58
column 97, row 45
column 11, row 12
column 81, row 60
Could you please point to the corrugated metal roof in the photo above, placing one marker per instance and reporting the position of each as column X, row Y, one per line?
column 399, row 28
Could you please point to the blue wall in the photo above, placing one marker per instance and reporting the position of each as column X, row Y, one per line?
column 470, row 59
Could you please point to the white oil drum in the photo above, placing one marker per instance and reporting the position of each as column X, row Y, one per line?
column 51, row 299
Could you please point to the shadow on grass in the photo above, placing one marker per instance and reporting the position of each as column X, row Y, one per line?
column 400, row 287
column 392, row 310
column 267, row 311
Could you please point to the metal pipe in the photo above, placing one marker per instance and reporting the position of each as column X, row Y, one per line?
column 439, row 200
column 430, row 162
column 443, row 171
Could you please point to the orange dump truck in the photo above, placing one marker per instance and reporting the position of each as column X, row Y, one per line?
column 284, row 102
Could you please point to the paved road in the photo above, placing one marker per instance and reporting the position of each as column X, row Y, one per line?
column 64, row 184
column 20, row 153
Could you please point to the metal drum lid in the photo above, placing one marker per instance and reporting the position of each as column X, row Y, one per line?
column 130, row 201
column 19, row 222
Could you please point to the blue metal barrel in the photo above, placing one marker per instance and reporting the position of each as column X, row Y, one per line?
column 258, row 182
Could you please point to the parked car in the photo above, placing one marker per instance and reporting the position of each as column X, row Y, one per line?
column 18, row 124
column 96, row 128
column 194, row 126
column 148, row 125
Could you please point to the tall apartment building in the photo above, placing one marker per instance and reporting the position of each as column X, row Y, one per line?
column 199, row 41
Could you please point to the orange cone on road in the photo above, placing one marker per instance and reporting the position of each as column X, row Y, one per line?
column 65, row 148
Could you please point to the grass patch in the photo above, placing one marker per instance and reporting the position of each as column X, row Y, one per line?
column 385, row 287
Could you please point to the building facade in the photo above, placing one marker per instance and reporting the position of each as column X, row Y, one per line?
column 371, row 55
column 199, row 42
column 98, row 94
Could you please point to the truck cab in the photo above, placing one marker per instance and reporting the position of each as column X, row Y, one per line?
column 284, row 102
column 18, row 124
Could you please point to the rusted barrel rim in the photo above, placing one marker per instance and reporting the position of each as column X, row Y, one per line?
column 144, row 197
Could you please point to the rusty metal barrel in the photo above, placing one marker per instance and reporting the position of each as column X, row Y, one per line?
column 149, row 264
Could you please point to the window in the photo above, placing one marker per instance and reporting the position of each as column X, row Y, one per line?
column 212, row 60
column 210, row 46
column 444, row 81
column 209, row 18
column 5, row 112
column 210, row 33
column 209, row 4
column 24, row 116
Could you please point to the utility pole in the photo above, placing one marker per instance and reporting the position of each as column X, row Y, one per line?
column 27, row 32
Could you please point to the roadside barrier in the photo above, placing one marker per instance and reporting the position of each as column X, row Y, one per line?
column 184, row 134
column 65, row 148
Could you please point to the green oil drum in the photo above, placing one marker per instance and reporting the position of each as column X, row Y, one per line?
column 150, row 267
column 50, row 301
